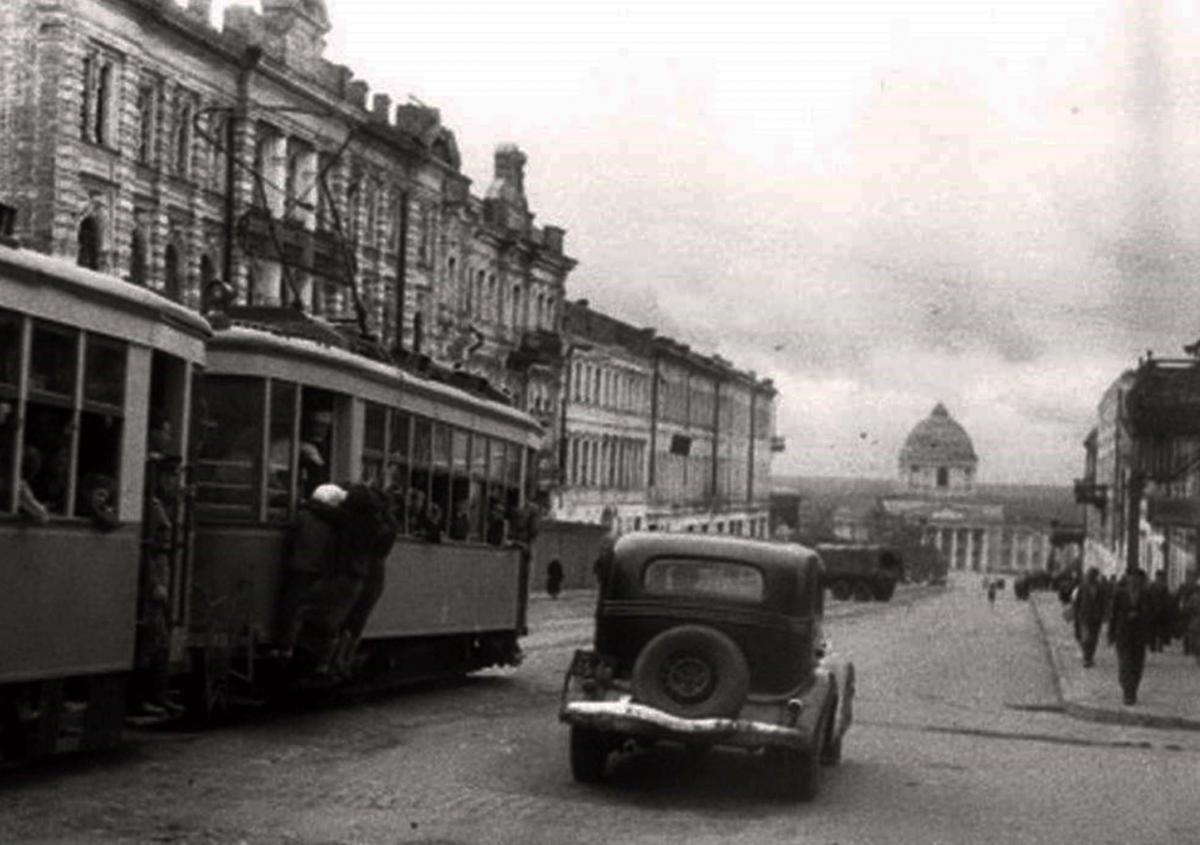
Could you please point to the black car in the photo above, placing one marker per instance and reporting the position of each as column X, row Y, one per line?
column 710, row 641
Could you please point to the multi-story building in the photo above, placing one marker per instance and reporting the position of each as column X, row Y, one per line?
column 660, row 436
column 1141, row 481
column 147, row 143
column 607, row 418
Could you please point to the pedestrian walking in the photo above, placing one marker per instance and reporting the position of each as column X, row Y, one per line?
column 1160, row 600
column 991, row 594
column 1090, row 604
column 1130, row 627
column 1187, row 603
column 554, row 578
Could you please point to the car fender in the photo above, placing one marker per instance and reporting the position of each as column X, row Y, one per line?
column 843, row 680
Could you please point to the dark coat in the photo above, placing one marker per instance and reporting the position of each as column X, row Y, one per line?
column 1132, row 619
column 312, row 544
column 1091, row 604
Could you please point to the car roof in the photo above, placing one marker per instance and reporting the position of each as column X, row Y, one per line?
column 632, row 549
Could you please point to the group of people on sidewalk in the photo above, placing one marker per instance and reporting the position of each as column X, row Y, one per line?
column 1141, row 616
column 336, row 558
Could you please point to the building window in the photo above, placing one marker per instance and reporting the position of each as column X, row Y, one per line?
column 89, row 243
column 137, row 258
column 943, row 477
column 171, row 272
column 98, row 106
column 147, row 108
column 182, row 146
column 516, row 306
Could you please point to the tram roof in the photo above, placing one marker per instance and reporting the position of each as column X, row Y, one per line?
column 91, row 284
column 260, row 341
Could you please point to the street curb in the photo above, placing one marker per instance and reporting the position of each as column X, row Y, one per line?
column 1096, row 713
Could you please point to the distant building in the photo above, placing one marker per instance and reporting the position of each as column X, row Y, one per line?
column 660, row 436
column 982, row 528
column 1141, row 481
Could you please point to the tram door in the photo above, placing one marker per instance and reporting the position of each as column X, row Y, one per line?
column 167, row 513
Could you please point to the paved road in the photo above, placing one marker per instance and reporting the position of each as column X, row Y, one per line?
column 957, row 742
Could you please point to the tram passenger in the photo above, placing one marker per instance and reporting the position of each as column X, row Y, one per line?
column 28, row 504
column 425, row 518
column 385, row 533
column 312, row 545
column 328, row 605
column 154, row 648
column 315, row 426
column 497, row 525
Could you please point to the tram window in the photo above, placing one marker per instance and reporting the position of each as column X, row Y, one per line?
column 316, row 428
column 496, row 505
column 374, row 436
column 479, row 491
column 47, row 462
column 460, row 489
column 104, row 371
column 99, row 461
column 283, row 442
column 229, row 446
column 439, row 495
column 398, row 471
column 10, row 348
column 512, row 479
column 8, row 443
column 53, row 361
column 419, row 491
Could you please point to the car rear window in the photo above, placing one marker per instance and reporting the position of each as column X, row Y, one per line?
column 715, row 578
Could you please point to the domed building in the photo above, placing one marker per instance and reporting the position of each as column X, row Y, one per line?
column 938, row 456
column 989, row 529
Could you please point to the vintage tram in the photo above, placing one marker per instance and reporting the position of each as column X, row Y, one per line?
column 86, row 362
column 104, row 383
column 277, row 416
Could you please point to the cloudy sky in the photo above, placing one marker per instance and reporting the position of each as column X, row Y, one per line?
column 879, row 203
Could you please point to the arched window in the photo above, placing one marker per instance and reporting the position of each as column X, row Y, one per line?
column 943, row 477
column 137, row 258
column 208, row 275
column 171, row 272
column 516, row 306
column 493, row 299
column 89, row 243
column 479, row 288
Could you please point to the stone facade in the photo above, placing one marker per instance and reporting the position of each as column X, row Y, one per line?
column 660, row 436
column 151, row 145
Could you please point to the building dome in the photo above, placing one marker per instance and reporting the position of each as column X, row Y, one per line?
column 938, row 439
column 938, row 454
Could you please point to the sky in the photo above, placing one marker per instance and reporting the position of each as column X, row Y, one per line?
column 880, row 204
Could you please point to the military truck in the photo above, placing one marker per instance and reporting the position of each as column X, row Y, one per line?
column 861, row 572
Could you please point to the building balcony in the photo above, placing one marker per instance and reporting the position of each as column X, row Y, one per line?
column 1164, row 400
column 778, row 444
column 1088, row 492
column 317, row 252
column 538, row 346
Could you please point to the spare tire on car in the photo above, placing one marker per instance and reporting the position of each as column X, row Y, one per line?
column 692, row 671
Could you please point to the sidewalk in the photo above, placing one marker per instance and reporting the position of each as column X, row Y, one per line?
column 1169, row 696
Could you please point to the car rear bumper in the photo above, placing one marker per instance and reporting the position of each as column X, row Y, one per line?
column 639, row 720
